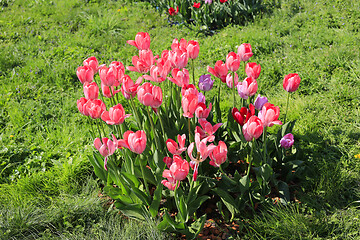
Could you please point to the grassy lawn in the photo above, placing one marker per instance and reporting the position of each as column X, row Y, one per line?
column 47, row 186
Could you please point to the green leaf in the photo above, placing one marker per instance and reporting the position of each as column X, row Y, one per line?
column 98, row 164
column 197, row 226
column 284, row 192
column 154, row 207
column 137, row 211
column 228, row 201
column 168, row 224
column 196, row 204
column 244, row 184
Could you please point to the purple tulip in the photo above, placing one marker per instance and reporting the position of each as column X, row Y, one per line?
column 259, row 102
column 287, row 141
column 205, row 82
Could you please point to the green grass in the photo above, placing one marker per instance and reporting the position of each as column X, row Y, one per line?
column 47, row 190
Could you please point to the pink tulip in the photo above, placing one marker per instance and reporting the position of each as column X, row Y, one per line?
column 155, row 74
column 220, row 70
column 129, row 88
column 247, row 88
column 219, row 155
column 91, row 62
column 207, row 130
column 136, row 142
column 182, row 45
column 253, row 128
column 106, row 91
column 189, row 104
column 232, row 62
column 91, row 90
column 180, row 77
column 107, row 76
column 115, row 116
column 106, row 147
column 174, row 148
column 94, row 108
column 81, row 106
column 253, row 70
column 179, row 168
column 245, row 52
column 179, row 58
column 118, row 70
column 201, row 111
column 201, row 148
column 170, row 183
column 150, row 95
column 140, row 66
column 269, row 115
column 189, row 89
column 85, row 74
column 142, row 41
column 193, row 49
column 230, row 81
column 291, row 82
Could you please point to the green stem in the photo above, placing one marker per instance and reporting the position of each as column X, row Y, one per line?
column 264, row 142
column 145, row 182
column 97, row 125
column 234, row 89
column 287, row 105
column 153, row 128
column 162, row 126
column 251, row 156
column 189, row 129
column 193, row 71
column 137, row 118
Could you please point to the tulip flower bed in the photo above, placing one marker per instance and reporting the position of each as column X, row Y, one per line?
column 173, row 155
column 209, row 14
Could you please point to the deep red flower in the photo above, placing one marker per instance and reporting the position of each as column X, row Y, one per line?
column 172, row 11
column 222, row 1
column 196, row 5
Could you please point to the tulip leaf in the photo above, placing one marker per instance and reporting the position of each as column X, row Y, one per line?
column 244, row 184
column 154, row 207
column 197, row 226
column 98, row 165
column 137, row 211
column 284, row 192
column 228, row 200
column 195, row 204
column 168, row 224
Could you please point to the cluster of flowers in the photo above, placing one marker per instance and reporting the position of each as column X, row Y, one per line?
column 114, row 80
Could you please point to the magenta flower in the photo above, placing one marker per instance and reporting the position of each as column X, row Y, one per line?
column 106, row 147
column 205, row 82
column 259, row 102
column 287, row 141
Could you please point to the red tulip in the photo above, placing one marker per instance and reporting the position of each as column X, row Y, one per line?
column 175, row 148
column 253, row 70
column 291, row 82
column 91, row 90
column 269, row 115
column 201, row 148
column 155, row 76
column 223, row 1
column 115, row 116
column 142, row 41
column 244, row 52
column 119, row 71
column 230, row 81
column 107, row 76
column 179, row 58
column 168, row 161
column 196, row 5
column 232, row 62
column 193, row 49
column 150, row 95
column 242, row 116
column 220, row 70
column 219, row 155
column 85, row 74
column 172, row 11
column 170, row 183
column 94, row 108
column 136, row 142
column 247, row 88
column 92, row 63
column 253, row 128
